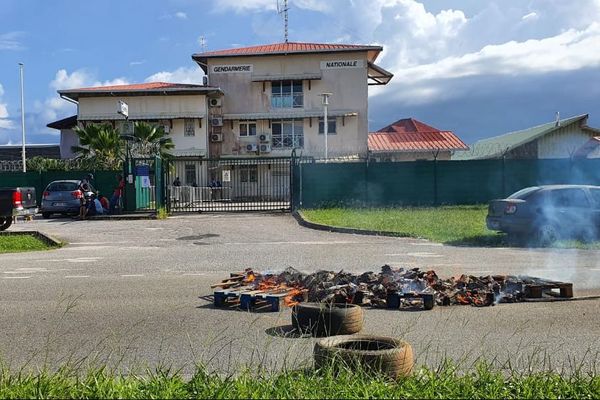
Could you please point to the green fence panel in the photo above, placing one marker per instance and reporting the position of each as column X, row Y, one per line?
column 400, row 184
column 104, row 181
column 328, row 184
column 468, row 182
column 429, row 182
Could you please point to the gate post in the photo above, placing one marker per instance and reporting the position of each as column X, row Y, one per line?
column 158, row 184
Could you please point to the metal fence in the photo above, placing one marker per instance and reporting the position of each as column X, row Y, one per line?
column 228, row 184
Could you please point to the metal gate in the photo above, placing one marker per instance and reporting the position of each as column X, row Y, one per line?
column 228, row 184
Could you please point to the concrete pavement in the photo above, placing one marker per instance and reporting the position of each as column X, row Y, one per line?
column 129, row 291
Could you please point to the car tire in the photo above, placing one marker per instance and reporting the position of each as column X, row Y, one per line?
column 5, row 223
column 546, row 234
column 384, row 355
column 322, row 319
column 46, row 215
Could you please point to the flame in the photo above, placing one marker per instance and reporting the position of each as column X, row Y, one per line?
column 293, row 297
column 250, row 277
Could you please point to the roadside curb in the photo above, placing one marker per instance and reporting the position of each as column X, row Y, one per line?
column 125, row 217
column 44, row 237
column 302, row 221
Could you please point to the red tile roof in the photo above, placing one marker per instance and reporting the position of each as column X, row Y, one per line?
column 142, row 86
column 289, row 48
column 410, row 135
column 140, row 89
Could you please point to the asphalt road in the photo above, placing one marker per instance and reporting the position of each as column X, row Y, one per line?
column 131, row 292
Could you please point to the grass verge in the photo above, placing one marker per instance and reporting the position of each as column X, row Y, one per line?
column 482, row 382
column 21, row 243
column 454, row 225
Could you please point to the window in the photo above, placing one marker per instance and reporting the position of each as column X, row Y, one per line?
column 189, row 128
column 287, row 134
column 248, row 173
column 248, row 129
column 287, row 94
column 331, row 126
column 570, row 198
column 190, row 174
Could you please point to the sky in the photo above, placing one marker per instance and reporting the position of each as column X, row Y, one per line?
column 477, row 67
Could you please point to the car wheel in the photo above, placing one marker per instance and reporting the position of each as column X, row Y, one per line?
column 5, row 223
column 547, row 234
column 515, row 239
column 46, row 215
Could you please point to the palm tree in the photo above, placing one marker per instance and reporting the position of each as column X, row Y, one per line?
column 100, row 143
column 151, row 140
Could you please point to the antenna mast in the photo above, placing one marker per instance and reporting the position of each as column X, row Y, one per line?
column 202, row 42
column 283, row 9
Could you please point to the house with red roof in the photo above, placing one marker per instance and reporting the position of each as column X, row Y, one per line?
column 254, row 102
column 412, row 140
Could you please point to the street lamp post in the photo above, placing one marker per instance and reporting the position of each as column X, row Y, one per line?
column 23, row 155
column 325, row 121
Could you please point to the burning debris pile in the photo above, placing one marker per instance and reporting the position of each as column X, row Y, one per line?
column 374, row 289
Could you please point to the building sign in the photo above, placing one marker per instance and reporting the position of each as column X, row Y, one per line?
column 340, row 64
column 226, row 175
column 232, row 69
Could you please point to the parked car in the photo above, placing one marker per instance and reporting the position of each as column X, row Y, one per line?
column 16, row 202
column 545, row 214
column 62, row 197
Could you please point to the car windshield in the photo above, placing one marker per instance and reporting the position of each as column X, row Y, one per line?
column 524, row 193
column 62, row 187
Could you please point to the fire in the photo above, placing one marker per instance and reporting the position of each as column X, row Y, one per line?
column 294, row 297
column 250, row 277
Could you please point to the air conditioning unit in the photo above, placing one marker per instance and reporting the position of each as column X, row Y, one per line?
column 265, row 148
column 215, row 102
column 216, row 121
column 251, row 147
column 264, row 137
column 216, row 137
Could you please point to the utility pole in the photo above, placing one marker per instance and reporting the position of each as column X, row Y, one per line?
column 325, row 121
column 23, row 155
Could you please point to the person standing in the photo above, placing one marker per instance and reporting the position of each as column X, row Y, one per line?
column 117, row 194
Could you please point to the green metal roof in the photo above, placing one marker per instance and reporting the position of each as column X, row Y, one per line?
column 496, row 146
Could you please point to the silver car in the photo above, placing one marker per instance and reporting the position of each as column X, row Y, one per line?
column 61, row 197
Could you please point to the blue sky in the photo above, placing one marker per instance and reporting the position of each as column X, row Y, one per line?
column 479, row 68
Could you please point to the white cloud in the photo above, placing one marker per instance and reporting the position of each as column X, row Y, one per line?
column 177, row 15
column 11, row 41
column 531, row 16
column 5, row 122
column 137, row 62
column 181, row 75
column 81, row 78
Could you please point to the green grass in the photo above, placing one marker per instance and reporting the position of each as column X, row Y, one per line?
column 482, row 382
column 21, row 243
column 455, row 225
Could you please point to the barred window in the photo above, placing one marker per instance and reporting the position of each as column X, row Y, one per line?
column 189, row 128
column 331, row 126
column 248, row 173
column 287, row 94
column 288, row 134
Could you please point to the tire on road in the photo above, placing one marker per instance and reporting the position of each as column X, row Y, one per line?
column 5, row 223
column 322, row 319
column 546, row 234
column 380, row 354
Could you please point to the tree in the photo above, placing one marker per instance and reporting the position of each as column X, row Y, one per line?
column 100, row 143
column 151, row 140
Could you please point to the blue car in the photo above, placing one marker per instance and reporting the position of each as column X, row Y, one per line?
column 545, row 214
